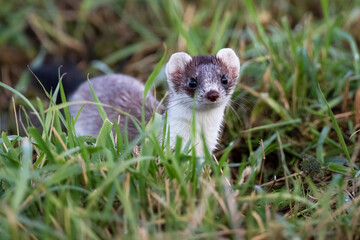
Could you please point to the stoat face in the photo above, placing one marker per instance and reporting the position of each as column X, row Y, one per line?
column 211, row 79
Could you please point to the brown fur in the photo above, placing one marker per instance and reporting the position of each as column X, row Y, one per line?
column 120, row 91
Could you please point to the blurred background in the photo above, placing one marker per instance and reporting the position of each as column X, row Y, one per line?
column 291, row 140
column 95, row 37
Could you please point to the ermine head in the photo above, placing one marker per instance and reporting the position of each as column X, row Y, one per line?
column 212, row 78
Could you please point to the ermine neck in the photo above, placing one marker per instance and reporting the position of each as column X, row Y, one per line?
column 208, row 122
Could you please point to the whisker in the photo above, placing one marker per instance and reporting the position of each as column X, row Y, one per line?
column 236, row 115
column 177, row 103
column 245, row 105
column 243, row 99
column 180, row 99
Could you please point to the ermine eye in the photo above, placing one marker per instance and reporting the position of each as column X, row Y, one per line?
column 192, row 83
column 224, row 80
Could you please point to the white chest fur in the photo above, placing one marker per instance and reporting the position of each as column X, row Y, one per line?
column 208, row 122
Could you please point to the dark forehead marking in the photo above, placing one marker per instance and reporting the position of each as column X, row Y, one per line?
column 205, row 59
column 193, row 65
column 196, row 61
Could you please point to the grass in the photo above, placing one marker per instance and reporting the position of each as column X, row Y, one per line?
column 288, row 161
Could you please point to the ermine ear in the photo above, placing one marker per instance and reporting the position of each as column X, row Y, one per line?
column 229, row 58
column 177, row 61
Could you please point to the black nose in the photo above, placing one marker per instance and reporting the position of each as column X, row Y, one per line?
column 212, row 95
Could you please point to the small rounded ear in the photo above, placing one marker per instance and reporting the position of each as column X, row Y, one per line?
column 177, row 62
column 229, row 58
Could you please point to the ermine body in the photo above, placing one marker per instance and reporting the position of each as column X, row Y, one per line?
column 206, row 82
column 120, row 91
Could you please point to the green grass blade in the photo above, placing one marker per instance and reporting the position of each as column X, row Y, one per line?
column 319, row 147
column 149, row 84
column 337, row 129
column 24, row 99
column 273, row 125
column 96, row 99
column 67, row 114
column 41, row 143
column 105, row 138
column 23, row 175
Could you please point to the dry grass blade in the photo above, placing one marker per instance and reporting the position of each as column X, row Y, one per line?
column 357, row 107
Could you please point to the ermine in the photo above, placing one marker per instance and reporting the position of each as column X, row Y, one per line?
column 209, row 79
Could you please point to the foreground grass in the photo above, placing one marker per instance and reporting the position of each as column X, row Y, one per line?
column 299, row 87
column 58, row 185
